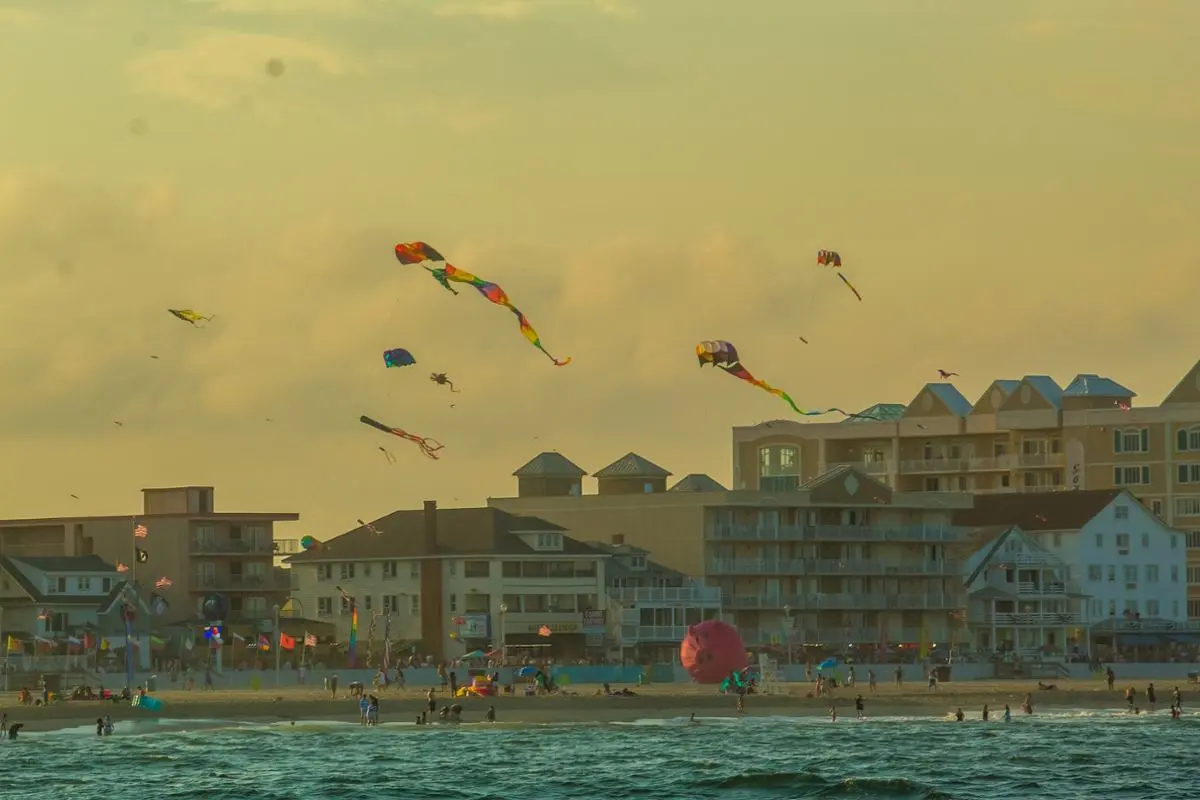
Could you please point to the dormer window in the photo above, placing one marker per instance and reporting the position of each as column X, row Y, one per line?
column 549, row 541
column 637, row 562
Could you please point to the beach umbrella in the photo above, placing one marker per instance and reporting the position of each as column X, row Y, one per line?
column 527, row 672
column 828, row 663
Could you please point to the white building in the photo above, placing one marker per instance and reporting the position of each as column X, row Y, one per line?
column 1126, row 561
column 458, row 580
column 652, row 605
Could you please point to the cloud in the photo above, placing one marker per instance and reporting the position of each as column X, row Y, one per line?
column 216, row 68
column 519, row 9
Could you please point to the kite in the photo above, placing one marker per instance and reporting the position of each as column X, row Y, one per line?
column 850, row 286
column 391, row 458
column 428, row 446
column 309, row 543
column 189, row 316
column 419, row 252
column 943, row 374
column 829, row 258
column 801, row 338
column 724, row 356
column 398, row 357
column 441, row 380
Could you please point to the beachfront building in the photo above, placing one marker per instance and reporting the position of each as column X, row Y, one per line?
column 652, row 605
column 1127, row 563
column 202, row 551
column 445, row 582
column 1023, row 599
column 840, row 559
column 1027, row 435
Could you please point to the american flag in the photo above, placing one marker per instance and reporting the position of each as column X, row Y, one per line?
column 122, row 568
column 310, row 640
column 140, row 532
column 163, row 583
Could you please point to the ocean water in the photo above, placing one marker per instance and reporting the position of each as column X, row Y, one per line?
column 1057, row 755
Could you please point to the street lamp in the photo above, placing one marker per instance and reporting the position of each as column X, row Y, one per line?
column 278, row 646
column 787, row 632
column 503, row 652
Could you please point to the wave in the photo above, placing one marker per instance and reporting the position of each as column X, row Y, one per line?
column 813, row 785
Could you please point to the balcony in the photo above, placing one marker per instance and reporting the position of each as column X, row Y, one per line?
column 529, row 622
column 830, row 634
column 835, row 533
column 832, row 566
column 869, row 467
column 934, row 465
column 1041, row 619
column 876, row 601
column 230, row 547
column 685, row 595
column 633, row 634
column 992, row 463
column 241, row 583
column 1042, row 460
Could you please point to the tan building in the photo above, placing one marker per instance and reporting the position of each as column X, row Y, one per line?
column 1028, row 435
column 842, row 558
column 200, row 550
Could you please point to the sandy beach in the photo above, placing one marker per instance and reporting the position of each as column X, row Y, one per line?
column 583, row 704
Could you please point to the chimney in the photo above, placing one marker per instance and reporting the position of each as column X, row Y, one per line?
column 431, row 528
column 618, row 539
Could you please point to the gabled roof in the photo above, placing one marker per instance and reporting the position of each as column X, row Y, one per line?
column 66, row 563
column 1046, row 387
column 631, row 465
column 952, row 398
column 1038, row 511
column 13, row 567
column 1088, row 385
column 460, row 531
column 880, row 412
column 550, row 465
column 697, row 482
column 1006, row 385
column 839, row 471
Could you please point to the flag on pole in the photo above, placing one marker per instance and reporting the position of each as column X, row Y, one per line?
column 140, row 531
column 121, row 567
column 163, row 583
column 142, row 555
column 310, row 640
column 12, row 644
column 264, row 643
column 286, row 642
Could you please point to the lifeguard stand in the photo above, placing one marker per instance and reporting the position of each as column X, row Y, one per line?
column 770, row 680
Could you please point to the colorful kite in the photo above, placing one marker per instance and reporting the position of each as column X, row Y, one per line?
column 419, row 252
column 428, row 446
column 724, row 356
column 309, row 543
column 829, row 258
column 189, row 316
column 850, row 286
column 441, row 380
column 398, row 357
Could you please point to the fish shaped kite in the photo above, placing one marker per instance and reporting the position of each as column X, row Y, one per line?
column 724, row 356
column 420, row 252
column 829, row 258
column 398, row 357
column 189, row 316
column 428, row 446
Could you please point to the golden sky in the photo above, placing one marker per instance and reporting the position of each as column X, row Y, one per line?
column 1012, row 187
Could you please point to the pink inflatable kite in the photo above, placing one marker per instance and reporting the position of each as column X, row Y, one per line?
column 712, row 650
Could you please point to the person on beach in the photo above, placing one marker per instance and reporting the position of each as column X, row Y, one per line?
column 833, row 713
column 372, row 710
column 1007, row 713
column 1129, row 694
column 959, row 716
column 1151, row 697
column 430, row 702
column 14, row 729
column 1111, row 677
column 899, row 675
column 491, row 714
column 1027, row 706
column 858, row 706
column 333, row 682
column 741, row 702
column 850, row 678
column 871, row 680
column 985, row 712
column 1175, row 712
column 363, row 705
column 4, row 724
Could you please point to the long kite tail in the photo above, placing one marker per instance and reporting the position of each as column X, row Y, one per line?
column 783, row 395
column 428, row 446
column 532, row 335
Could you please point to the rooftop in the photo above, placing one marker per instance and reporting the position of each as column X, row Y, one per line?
column 15, row 568
column 697, row 482
column 880, row 412
column 631, row 465
column 1038, row 511
column 66, row 563
column 550, row 465
column 1095, row 386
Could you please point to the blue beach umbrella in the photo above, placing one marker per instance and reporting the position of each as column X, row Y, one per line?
column 828, row 663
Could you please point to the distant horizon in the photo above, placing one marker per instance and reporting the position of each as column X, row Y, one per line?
column 1007, row 195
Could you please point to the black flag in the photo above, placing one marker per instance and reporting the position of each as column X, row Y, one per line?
column 142, row 555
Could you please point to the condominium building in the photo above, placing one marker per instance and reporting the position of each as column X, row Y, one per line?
column 840, row 558
column 652, row 604
column 444, row 582
column 200, row 551
column 1027, row 435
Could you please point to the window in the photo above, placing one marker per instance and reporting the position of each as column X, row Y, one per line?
column 324, row 606
column 106, row 585
column 476, row 569
column 778, row 468
column 1174, row 573
column 1187, row 506
column 1131, row 606
column 478, row 603
column 1033, row 447
column 414, row 604
column 1099, row 541
column 1145, row 541
column 1112, row 607
column 510, row 569
column 1095, row 573
column 1005, row 480
column 1187, row 439
column 452, row 568
column 389, row 604
column 1131, row 476
column 85, row 584
column 324, row 572
column 1193, row 575
column 1193, row 608
column 931, row 484
column 366, row 570
column 347, row 571
column 414, row 570
column 366, row 602
column 1152, row 573
column 344, row 607
column 453, row 603
column 1058, row 540
column 1131, row 571
column 1156, row 508
column 1188, row 473
column 549, row 541
column 1122, row 541
column 1121, row 512
column 1131, row 440
column 1193, row 538
column 1112, row 574
column 389, row 570
column 637, row 562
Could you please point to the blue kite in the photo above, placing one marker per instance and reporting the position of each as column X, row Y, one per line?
column 398, row 357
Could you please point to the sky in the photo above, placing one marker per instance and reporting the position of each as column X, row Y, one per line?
column 1012, row 187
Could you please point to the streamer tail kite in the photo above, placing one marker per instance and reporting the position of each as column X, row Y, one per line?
column 429, row 447
column 850, row 286
column 189, row 316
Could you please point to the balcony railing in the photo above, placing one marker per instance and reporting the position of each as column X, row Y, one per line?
column 632, row 634
column 1042, row 459
column 837, row 533
column 869, row 467
column 875, row 601
column 931, row 465
column 710, row 595
column 1034, row 619
column 241, row 583
column 837, row 635
column 230, row 547
column 832, row 566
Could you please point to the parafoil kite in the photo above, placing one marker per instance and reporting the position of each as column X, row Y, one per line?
column 724, row 356
column 428, row 446
column 419, row 252
column 189, row 316
column 829, row 258
column 398, row 357
column 711, row 651
column 309, row 543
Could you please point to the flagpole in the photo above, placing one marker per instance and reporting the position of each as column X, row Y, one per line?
column 133, row 551
column 303, row 649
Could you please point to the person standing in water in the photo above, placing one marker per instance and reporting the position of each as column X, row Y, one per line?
column 363, row 706
column 1007, row 713
column 1027, row 706
column 1129, row 694
column 1177, row 698
column 491, row 714
column 833, row 713
column 1151, row 697
column 741, row 701
column 985, row 712
column 959, row 716
column 871, row 680
column 858, row 706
